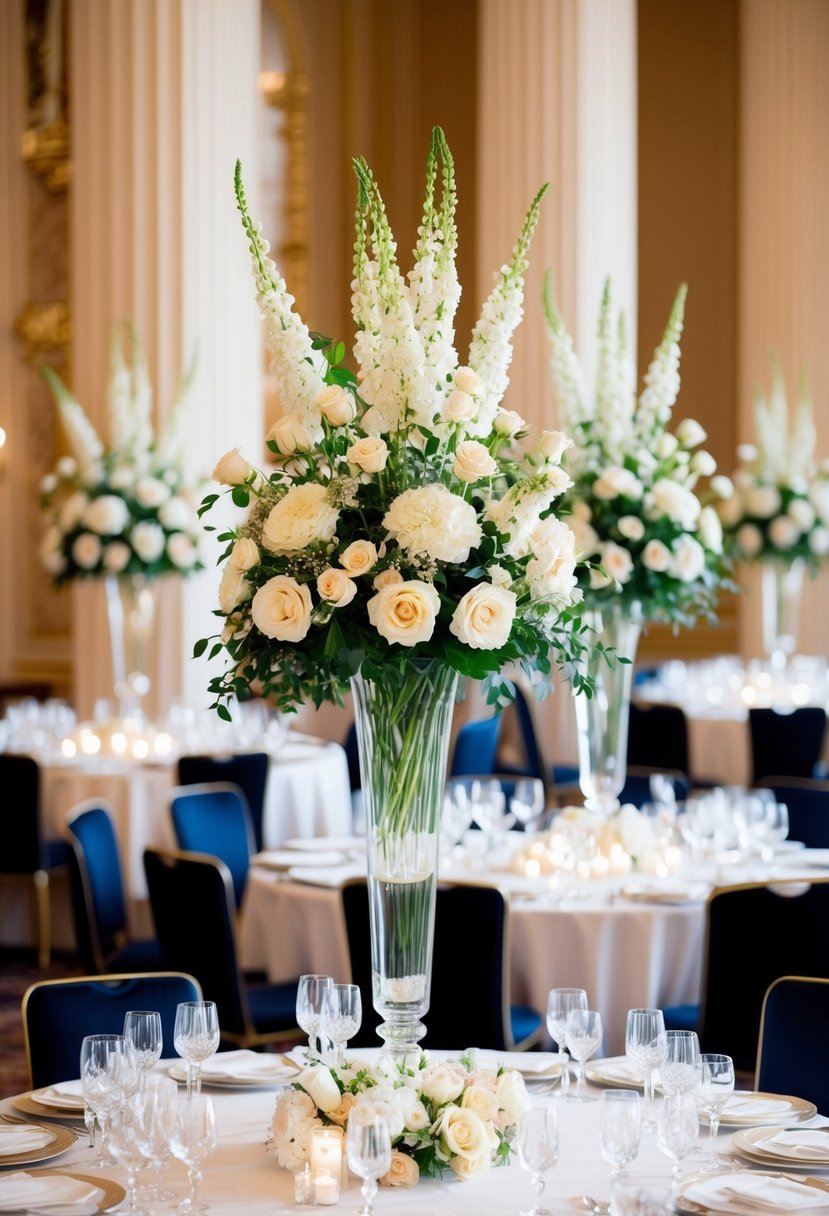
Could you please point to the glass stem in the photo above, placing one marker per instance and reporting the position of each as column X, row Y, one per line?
column 565, row 1069
column 190, row 1075
column 713, row 1126
column 649, row 1111
column 195, row 1179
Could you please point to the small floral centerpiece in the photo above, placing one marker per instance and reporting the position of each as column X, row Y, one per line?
column 613, row 844
column 442, row 1116
column 780, row 505
column 122, row 507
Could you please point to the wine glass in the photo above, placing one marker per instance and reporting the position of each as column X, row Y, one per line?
column 527, row 802
column 677, row 1129
column 192, row 1138
column 340, row 1017
column 124, row 1141
column 559, row 1003
column 681, row 1069
column 196, row 1038
column 105, row 1065
column 368, row 1151
column 310, row 996
column 158, row 1110
column 716, row 1085
column 620, row 1128
column 646, row 1045
column 142, row 1027
column 583, row 1033
column 537, row 1143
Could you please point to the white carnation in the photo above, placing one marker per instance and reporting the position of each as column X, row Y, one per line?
column 433, row 522
column 302, row 517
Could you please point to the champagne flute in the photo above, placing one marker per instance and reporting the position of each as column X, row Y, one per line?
column 583, row 1033
column 559, row 1003
column 537, row 1142
column 677, row 1130
column 368, row 1151
column 310, row 995
column 646, row 1045
column 715, row 1087
column 341, row 1017
column 192, row 1138
column 681, row 1069
column 620, row 1128
column 196, row 1038
column 142, row 1027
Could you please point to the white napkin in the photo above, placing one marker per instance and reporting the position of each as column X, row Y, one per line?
column 810, row 1144
column 283, row 859
column 246, row 1065
column 746, row 1106
column 65, row 1093
column 22, row 1139
column 756, row 1192
column 528, row 1063
column 316, row 844
column 618, row 1070
column 334, row 876
column 33, row 1191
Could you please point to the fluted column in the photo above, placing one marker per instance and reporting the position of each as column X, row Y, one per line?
column 164, row 99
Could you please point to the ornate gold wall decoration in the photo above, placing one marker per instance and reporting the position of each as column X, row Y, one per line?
column 43, row 327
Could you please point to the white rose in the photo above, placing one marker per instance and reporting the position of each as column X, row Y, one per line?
column 507, row 423
column 290, row 435
column 511, row 1094
column 434, row 522
column 553, row 444
column 665, row 445
column 688, row 559
column 762, row 501
column 176, row 514
column 616, row 561
column 722, row 486
column 116, row 556
column 148, row 540
column 303, row 516
column 819, row 497
column 461, row 1132
column 405, row 612
column 783, row 532
column 232, row 469
column 801, row 513
column 107, row 515
column 481, row 1101
column 551, row 569
column 181, row 550
column 151, row 492
column 441, row 1084
column 668, row 497
column 336, row 587
column 385, row 578
column 730, row 511
column 746, row 452
column 819, row 541
column 369, row 454
column 473, row 462
column 631, row 527
column 499, row 577
column 324, row 1090
column 403, row 1170
column 459, row 407
column 467, row 381
column 587, row 538
column 337, row 405
column 581, row 510
column 233, row 588
column 690, row 434
column 710, row 529
column 615, row 481
column 359, row 557
column 703, row 463
column 467, row 1167
column 749, row 539
column 656, row 556
column 245, row 554
column 86, row 550
column 483, row 618
column 281, row 609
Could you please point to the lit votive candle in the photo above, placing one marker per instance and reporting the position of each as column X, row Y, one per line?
column 600, row 867
column 620, row 862
column 326, row 1154
column 326, row 1189
column 532, row 867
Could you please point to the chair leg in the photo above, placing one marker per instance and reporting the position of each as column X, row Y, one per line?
column 44, row 919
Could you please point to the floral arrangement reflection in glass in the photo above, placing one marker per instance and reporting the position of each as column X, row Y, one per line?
column 453, row 1115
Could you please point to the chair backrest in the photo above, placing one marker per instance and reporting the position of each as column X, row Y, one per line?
column 756, row 933
column 98, row 901
column 214, row 818
column 24, row 850
column 532, row 762
column 57, row 1014
column 478, row 972
column 787, row 744
column 793, row 1050
column 476, row 746
column 808, row 805
column 352, row 755
column 658, row 737
column 191, row 896
column 248, row 770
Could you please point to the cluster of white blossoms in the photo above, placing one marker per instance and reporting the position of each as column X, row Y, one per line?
column 124, row 508
column 451, row 1116
column 780, row 502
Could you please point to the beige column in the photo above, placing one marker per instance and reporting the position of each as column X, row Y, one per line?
column 784, row 236
column 557, row 96
column 164, row 100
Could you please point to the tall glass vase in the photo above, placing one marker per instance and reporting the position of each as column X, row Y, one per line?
column 602, row 720
column 404, row 718
column 131, row 608
column 781, row 591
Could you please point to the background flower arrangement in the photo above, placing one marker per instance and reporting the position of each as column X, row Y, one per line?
column 652, row 537
column 401, row 523
column 780, row 505
column 453, row 1116
column 121, row 507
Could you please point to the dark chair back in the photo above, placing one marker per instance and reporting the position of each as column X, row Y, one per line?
column 352, row 755
column 98, row 902
column 214, row 818
column 476, row 746
column 658, row 737
column 807, row 801
column 637, row 787
column 793, row 1053
column 756, row 933
column 786, row 745
column 531, row 763
column 58, row 1014
column 248, row 770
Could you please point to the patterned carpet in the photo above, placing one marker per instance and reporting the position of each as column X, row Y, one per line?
column 17, row 971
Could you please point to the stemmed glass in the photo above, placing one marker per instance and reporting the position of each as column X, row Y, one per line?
column 159, row 1111
column 527, row 802
column 559, row 1003
column 646, row 1045
column 196, row 1038
column 620, row 1128
column 142, row 1028
column 583, row 1033
column 124, row 1141
column 108, row 1073
column 368, row 1151
column 714, row 1089
column 192, row 1138
column 681, row 1069
column 677, row 1129
column 340, row 1017
column 310, row 996
column 537, row 1142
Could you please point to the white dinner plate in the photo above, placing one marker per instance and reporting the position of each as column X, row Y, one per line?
column 66, row 1095
column 282, row 859
column 791, row 1143
column 320, row 844
column 23, row 1143
column 615, row 1071
column 747, row 1109
column 750, row 1192
column 41, row 1192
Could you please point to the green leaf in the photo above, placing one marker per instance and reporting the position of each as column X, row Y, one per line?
column 240, row 496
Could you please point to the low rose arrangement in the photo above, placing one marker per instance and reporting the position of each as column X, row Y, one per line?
column 627, row 828
column 443, row 1116
column 124, row 506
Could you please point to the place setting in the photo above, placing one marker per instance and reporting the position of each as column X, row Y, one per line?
column 22, row 1142
column 789, row 1147
column 58, row 1193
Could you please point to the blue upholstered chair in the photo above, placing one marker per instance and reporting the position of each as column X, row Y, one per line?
column 98, row 903
column 57, row 1014
column 658, row 737
column 807, row 801
column 476, row 747
column 194, row 911
column 793, row 1053
column 786, row 744
column 214, row 818
column 248, row 770
column 27, row 854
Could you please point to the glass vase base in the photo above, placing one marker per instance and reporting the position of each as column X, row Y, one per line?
column 401, row 1043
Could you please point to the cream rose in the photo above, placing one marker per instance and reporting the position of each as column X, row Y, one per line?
column 656, row 556
column 552, row 445
column 405, row 612
column 245, row 554
column 335, row 587
column 290, row 435
column 359, row 557
column 148, row 540
column 116, row 556
column 369, row 454
column 303, row 516
column 483, row 618
column 281, row 609
column 181, row 551
column 631, row 527
column 86, row 550
column 441, row 1084
column 587, row 538
column 690, row 434
column 459, row 407
column 762, row 501
column 461, row 1132
column 688, row 559
column 783, row 532
column 511, row 1094
column 750, row 539
column 801, row 513
column 432, row 521
column 340, row 1113
column 403, row 1170
column 507, row 423
column 385, row 578
column 337, row 405
column 473, row 462
column 232, row 469
column 233, row 588
column 730, row 511
column 616, row 561
column 319, row 1083
column 710, row 529
column 107, row 515
column 467, row 381
column 481, row 1101
column 615, row 481
column 151, row 492
column 467, row 1167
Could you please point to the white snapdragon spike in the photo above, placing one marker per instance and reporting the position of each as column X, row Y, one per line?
column 297, row 380
column 140, row 439
column 568, row 380
column 804, row 440
column 490, row 351
column 119, row 399
column 614, row 404
column 662, row 377
column 84, row 441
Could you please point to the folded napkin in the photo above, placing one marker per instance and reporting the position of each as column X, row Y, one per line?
column 756, row 1192
column 30, row 1192
column 21, row 1139
column 246, row 1065
column 749, row 1107
column 67, row 1094
column 617, row 1070
column 528, row 1063
column 316, row 844
column 811, row 1145
column 334, row 876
